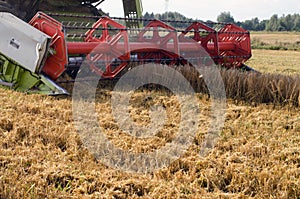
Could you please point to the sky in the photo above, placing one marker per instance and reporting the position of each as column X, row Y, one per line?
column 241, row 10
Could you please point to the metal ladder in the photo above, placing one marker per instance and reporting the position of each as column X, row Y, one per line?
column 133, row 9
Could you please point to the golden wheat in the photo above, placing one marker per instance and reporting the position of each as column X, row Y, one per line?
column 42, row 156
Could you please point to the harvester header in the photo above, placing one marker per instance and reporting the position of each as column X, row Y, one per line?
column 110, row 47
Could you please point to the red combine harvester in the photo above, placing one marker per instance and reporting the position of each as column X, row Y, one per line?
column 109, row 48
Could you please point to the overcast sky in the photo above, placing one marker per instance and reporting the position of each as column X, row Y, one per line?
column 210, row 9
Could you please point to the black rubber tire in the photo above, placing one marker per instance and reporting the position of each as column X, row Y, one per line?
column 26, row 13
column 6, row 7
column 15, row 10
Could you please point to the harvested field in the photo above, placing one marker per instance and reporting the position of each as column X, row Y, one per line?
column 276, row 37
column 275, row 61
column 276, row 40
column 257, row 154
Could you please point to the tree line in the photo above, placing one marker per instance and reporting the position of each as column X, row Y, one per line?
column 290, row 22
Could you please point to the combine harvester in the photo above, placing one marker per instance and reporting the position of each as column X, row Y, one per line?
column 34, row 55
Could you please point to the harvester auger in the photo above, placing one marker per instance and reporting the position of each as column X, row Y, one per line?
column 63, row 48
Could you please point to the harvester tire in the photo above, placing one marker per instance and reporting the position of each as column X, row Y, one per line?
column 16, row 9
column 6, row 7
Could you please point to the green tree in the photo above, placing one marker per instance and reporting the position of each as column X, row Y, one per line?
column 148, row 16
column 288, row 22
column 296, row 25
column 225, row 17
column 273, row 24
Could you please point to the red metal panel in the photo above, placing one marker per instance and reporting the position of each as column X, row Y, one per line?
column 204, row 35
column 238, row 36
column 58, row 58
column 121, row 55
column 166, row 39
